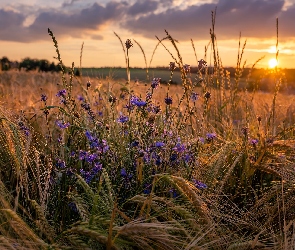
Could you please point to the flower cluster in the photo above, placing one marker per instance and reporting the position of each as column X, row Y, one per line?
column 136, row 101
column 199, row 184
column 100, row 145
column 24, row 128
column 89, row 175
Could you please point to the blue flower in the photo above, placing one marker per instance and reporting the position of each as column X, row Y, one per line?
column 179, row 147
column 173, row 157
column 62, row 124
column 173, row 192
column 82, row 154
column 254, row 142
column 80, row 98
column 24, row 128
column 198, row 184
column 123, row 119
column 91, row 157
column 43, row 98
column 155, row 82
column 134, row 144
column 210, row 136
column 134, row 100
column 194, row 96
column 168, row 100
column 61, row 93
column 60, row 163
column 159, row 144
column 123, row 172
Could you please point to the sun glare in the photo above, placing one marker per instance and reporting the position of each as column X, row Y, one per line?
column 272, row 63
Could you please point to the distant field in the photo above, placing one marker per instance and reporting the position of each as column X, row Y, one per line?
column 136, row 74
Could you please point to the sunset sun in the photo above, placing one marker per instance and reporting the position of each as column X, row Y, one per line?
column 272, row 63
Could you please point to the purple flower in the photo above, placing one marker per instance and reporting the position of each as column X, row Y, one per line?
column 159, row 144
column 134, row 144
column 43, row 98
column 80, row 98
column 73, row 206
column 60, row 163
column 123, row 172
column 168, row 100
column 173, row 157
column 254, row 142
column 91, row 157
column 59, row 139
column 97, row 167
column 24, row 128
column 173, row 192
column 147, row 189
column 122, row 119
column 198, row 184
column 158, row 160
column 179, row 147
column 187, row 158
column 61, row 93
column 89, row 136
column 194, row 96
column 62, row 124
column 134, row 100
column 210, row 136
column 82, row 154
column 155, row 82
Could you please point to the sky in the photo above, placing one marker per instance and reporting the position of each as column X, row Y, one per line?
column 24, row 26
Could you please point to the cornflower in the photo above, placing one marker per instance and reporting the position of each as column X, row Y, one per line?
column 122, row 119
column 194, row 96
column 168, row 100
column 198, row 184
column 62, row 124
column 155, row 83
column 61, row 93
column 43, row 98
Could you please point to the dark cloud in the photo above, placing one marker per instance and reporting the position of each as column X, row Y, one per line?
column 142, row 6
column 10, row 19
column 61, row 23
column 75, row 24
column 254, row 18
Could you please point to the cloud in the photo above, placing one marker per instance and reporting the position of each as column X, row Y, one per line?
column 62, row 24
column 254, row 18
column 142, row 6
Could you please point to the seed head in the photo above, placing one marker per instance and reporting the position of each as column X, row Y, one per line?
column 187, row 68
column 202, row 64
column 172, row 66
column 128, row 44
column 207, row 95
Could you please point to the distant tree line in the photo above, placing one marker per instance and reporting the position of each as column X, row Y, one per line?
column 29, row 64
